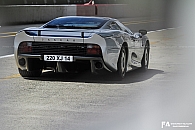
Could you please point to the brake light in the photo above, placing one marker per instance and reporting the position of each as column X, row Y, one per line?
column 25, row 47
column 31, row 33
column 93, row 50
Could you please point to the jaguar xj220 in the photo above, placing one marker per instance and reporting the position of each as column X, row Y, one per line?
column 76, row 43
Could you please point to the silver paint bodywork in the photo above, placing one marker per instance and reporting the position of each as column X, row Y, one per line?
column 110, row 41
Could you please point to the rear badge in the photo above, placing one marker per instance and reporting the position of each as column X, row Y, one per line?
column 57, row 40
column 47, row 39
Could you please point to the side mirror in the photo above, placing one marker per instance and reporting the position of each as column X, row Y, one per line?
column 143, row 32
column 137, row 35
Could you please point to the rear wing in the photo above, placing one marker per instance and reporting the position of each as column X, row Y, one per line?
column 58, row 33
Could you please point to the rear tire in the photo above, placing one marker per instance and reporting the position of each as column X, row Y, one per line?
column 25, row 73
column 145, row 59
column 122, row 63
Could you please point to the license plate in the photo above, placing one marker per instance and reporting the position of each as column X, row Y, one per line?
column 58, row 58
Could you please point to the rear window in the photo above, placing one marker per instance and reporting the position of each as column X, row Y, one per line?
column 76, row 23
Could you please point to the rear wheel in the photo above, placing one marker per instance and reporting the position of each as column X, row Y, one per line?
column 122, row 63
column 25, row 73
column 145, row 59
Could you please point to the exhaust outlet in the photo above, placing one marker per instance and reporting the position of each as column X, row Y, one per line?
column 98, row 65
column 22, row 62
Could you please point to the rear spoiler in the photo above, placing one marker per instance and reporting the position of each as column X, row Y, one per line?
column 58, row 33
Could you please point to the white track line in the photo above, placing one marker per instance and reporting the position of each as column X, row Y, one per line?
column 6, row 56
column 162, row 30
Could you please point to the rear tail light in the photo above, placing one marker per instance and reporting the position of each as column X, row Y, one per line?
column 93, row 50
column 32, row 33
column 25, row 47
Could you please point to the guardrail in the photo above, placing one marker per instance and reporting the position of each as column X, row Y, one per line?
column 22, row 14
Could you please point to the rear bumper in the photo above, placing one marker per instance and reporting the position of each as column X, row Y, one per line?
column 93, row 60
column 75, row 57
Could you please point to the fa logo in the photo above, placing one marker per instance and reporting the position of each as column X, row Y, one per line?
column 165, row 124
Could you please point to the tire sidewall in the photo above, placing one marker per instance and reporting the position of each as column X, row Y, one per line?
column 143, row 62
column 122, row 69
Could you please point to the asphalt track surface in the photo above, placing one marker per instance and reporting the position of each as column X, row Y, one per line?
column 160, row 98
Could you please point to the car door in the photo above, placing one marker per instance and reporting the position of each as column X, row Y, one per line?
column 137, row 39
column 131, row 44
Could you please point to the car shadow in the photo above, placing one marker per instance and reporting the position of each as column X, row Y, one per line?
column 134, row 76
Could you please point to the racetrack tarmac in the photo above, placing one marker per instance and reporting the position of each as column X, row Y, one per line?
column 142, row 101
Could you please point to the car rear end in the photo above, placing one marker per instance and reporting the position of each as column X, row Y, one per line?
column 61, row 51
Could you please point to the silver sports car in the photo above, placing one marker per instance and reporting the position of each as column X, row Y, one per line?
column 75, row 43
